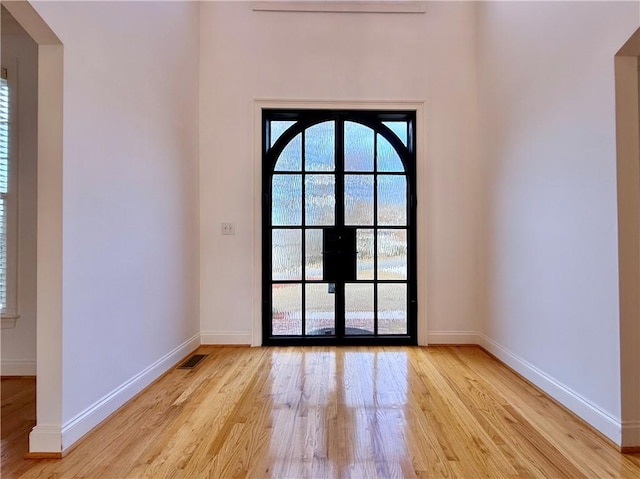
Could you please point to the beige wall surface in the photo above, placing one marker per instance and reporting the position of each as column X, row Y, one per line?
column 130, row 200
column 547, row 129
column 248, row 55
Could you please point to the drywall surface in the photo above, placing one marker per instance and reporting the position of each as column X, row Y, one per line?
column 248, row 55
column 130, row 201
column 20, row 54
column 547, row 130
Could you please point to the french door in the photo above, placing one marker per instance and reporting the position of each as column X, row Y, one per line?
column 339, row 232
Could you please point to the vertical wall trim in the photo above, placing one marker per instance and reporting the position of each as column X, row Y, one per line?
column 49, row 246
column 628, row 189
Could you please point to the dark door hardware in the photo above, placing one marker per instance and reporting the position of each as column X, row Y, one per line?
column 339, row 254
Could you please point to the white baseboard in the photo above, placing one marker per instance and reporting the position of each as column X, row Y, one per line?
column 580, row 406
column 630, row 433
column 45, row 438
column 227, row 337
column 101, row 409
column 51, row 438
column 453, row 337
column 10, row 367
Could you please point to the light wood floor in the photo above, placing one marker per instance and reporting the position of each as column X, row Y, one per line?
column 17, row 420
column 332, row 413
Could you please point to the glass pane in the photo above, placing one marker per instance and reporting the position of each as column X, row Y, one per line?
column 392, row 200
column 290, row 158
column 364, row 239
column 286, row 255
column 320, row 200
column 4, row 164
column 313, row 254
column 358, row 199
column 392, row 309
column 4, row 138
column 286, row 311
column 286, row 202
column 388, row 158
column 277, row 128
column 358, row 308
column 358, row 147
column 319, row 147
column 320, row 310
column 399, row 128
column 392, row 254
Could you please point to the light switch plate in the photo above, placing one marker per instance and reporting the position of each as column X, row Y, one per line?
column 228, row 229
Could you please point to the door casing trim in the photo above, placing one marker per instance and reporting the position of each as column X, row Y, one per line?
column 421, row 168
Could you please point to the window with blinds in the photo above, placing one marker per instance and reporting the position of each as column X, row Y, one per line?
column 4, row 184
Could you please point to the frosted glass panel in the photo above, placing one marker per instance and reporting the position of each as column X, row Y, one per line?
column 358, row 199
column 320, row 200
column 313, row 254
column 319, row 150
column 364, row 239
column 399, row 128
column 392, row 200
column 286, row 255
column 388, row 158
column 290, row 158
column 286, row 310
column 358, row 309
column 392, row 309
column 277, row 128
column 392, row 254
column 320, row 310
column 286, row 202
column 358, row 147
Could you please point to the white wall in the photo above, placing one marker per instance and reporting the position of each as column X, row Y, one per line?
column 547, row 129
column 20, row 53
column 247, row 55
column 529, row 259
column 130, row 204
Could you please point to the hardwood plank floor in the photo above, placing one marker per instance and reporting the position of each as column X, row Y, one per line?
column 339, row 412
column 16, row 421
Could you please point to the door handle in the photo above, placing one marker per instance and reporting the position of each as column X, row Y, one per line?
column 339, row 254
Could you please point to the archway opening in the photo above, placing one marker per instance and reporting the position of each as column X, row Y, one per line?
column 46, row 437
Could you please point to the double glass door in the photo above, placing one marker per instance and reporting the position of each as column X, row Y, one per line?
column 339, row 227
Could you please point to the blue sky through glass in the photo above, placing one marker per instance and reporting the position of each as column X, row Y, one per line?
column 277, row 128
column 399, row 128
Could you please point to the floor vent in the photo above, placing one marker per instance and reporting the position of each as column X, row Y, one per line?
column 192, row 362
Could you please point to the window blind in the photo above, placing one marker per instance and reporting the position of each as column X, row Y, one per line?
column 4, row 184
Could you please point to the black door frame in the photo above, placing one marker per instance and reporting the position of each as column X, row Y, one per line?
column 304, row 119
